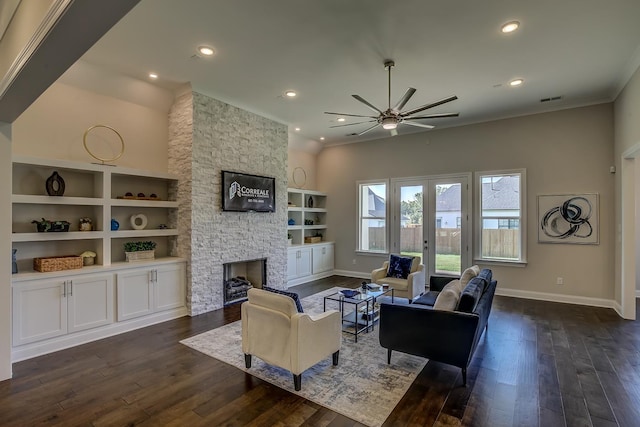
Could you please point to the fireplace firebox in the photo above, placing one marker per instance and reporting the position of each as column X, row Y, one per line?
column 241, row 276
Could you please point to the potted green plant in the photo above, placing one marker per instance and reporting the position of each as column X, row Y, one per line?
column 290, row 239
column 140, row 251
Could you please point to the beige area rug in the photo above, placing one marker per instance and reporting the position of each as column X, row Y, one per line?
column 362, row 387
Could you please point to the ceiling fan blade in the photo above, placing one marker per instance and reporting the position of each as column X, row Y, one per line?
column 349, row 115
column 425, row 107
column 394, row 132
column 367, row 130
column 420, row 125
column 365, row 102
column 401, row 103
column 433, row 116
column 351, row 124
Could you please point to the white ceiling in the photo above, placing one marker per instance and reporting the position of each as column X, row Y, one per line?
column 326, row 50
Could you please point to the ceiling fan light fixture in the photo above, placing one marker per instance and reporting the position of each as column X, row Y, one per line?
column 341, row 119
column 206, row 50
column 389, row 123
column 510, row 27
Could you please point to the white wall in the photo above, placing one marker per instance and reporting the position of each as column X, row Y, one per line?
column 306, row 161
column 627, row 135
column 53, row 127
column 568, row 151
column 5, row 251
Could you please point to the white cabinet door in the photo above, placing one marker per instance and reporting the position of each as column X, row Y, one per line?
column 292, row 264
column 298, row 262
column 39, row 310
column 322, row 258
column 169, row 286
column 90, row 301
column 135, row 293
column 304, row 262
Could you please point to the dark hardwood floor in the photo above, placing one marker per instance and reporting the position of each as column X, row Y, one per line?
column 539, row 364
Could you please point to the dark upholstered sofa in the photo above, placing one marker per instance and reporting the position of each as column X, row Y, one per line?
column 447, row 336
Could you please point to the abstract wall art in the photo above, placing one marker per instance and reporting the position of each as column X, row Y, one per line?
column 568, row 218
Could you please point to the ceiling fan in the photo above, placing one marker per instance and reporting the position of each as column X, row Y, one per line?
column 393, row 116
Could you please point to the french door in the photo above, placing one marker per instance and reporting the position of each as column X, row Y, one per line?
column 430, row 218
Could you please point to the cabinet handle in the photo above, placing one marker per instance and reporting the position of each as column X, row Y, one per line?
column 155, row 276
column 64, row 289
column 70, row 288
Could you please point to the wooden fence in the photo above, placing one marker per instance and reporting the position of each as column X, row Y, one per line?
column 498, row 243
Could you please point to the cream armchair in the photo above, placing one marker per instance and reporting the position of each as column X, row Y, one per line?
column 411, row 287
column 274, row 331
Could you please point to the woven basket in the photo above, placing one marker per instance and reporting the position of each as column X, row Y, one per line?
column 57, row 263
column 140, row 256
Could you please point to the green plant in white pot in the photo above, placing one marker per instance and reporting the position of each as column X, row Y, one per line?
column 140, row 251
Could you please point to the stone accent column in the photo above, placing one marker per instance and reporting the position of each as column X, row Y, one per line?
column 207, row 136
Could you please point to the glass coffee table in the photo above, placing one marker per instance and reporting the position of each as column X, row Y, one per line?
column 360, row 311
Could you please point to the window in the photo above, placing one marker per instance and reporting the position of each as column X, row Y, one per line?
column 501, row 206
column 458, row 222
column 372, row 216
column 439, row 222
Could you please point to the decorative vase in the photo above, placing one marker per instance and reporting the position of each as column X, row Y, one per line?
column 55, row 185
column 310, row 202
column 114, row 225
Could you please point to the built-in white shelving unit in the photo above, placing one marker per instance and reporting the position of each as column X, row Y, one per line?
column 91, row 190
column 55, row 310
column 308, row 261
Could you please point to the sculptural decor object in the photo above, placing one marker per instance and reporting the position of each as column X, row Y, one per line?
column 14, row 264
column 46, row 225
column 55, row 185
column 115, row 225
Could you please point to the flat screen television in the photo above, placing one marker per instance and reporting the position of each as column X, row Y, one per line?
column 242, row 192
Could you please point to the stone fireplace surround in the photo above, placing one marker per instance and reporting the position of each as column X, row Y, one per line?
column 207, row 136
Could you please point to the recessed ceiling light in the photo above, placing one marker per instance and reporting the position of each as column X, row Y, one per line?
column 510, row 27
column 290, row 94
column 206, row 50
column 516, row 82
column 297, row 129
column 341, row 119
column 153, row 76
column 322, row 138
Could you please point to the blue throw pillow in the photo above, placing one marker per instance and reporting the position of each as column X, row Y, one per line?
column 291, row 295
column 399, row 266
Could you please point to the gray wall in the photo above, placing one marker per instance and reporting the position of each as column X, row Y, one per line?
column 207, row 136
column 567, row 151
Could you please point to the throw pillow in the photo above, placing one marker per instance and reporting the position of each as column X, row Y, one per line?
column 447, row 300
column 454, row 284
column 399, row 266
column 469, row 274
column 292, row 295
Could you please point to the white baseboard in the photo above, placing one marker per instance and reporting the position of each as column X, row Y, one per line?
column 352, row 274
column 618, row 308
column 310, row 278
column 568, row 299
